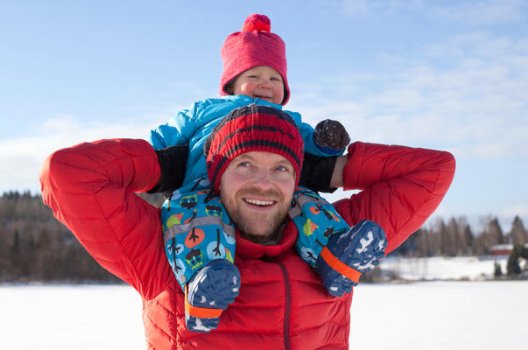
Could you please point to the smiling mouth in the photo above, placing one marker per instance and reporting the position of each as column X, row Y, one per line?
column 269, row 98
column 259, row 203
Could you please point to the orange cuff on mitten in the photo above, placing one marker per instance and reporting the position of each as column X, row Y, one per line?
column 201, row 312
column 336, row 264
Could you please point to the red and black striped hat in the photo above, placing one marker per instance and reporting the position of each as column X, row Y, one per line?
column 253, row 128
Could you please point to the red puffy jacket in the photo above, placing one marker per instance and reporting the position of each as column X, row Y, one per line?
column 91, row 188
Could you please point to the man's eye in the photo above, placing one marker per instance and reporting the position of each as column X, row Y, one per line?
column 282, row 168
column 244, row 164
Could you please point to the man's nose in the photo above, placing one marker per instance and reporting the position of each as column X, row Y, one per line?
column 263, row 178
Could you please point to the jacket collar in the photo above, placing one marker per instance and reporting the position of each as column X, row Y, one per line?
column 248, row 249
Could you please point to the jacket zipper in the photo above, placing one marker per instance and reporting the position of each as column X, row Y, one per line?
column 287, row 309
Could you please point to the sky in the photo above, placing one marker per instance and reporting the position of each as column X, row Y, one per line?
column 450, row 75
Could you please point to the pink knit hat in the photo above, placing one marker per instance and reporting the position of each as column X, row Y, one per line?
column 254, row 46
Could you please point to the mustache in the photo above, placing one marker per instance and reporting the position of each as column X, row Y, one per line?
column 258, row 192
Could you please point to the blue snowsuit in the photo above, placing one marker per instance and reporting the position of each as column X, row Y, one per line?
column 197, row 228
column 193, row 126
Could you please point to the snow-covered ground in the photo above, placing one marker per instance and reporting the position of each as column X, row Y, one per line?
column 70, row 318
column 424, row 315
column 416, row 316
column 441, row 268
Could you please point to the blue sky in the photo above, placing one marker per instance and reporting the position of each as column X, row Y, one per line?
column 451, row 75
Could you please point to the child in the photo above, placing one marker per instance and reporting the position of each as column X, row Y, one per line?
column 198, row 233
column 254, row 72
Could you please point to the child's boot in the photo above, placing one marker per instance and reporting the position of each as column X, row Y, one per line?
column 208, row 293
column 350, row 254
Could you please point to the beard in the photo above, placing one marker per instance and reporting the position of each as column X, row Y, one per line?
column 256, row 226
column 268, row 226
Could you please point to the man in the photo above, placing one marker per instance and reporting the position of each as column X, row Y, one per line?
column 282, row 304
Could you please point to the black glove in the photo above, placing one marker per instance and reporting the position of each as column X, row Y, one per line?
column 316, row 173
column 172, row 161
column 331, row 134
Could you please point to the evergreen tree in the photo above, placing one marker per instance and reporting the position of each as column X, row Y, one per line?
column 469, row 239
column 492, row 235
column 518, row 233
column 518, row 252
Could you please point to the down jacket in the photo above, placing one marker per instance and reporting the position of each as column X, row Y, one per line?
column 92, row 189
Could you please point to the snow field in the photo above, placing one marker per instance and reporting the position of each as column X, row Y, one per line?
column 416, row 316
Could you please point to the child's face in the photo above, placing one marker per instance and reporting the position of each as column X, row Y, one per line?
column 260, row 82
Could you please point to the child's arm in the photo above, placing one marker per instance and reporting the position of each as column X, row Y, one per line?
column 177, row 131
column 329, row 138
column 311, row 138
column 308, row 133
column 321, row 147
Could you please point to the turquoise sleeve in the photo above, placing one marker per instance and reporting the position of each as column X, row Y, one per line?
column 177, row 131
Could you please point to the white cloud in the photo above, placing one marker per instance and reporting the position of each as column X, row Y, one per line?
column 477, row 12
column 355, row 8
column 468, row 93
column 482, row 12
column 22, row 157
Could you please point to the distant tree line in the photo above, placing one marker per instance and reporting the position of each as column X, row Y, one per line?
column 34, row 246
column 457, row 238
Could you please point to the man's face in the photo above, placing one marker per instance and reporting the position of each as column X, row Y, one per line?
column 262, row 82
column 257, row 189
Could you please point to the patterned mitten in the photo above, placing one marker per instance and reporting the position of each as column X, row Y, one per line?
column 350, row 254
column 209, row 293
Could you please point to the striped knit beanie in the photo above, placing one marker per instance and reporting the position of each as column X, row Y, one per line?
column 253, row 128
column 254, row 46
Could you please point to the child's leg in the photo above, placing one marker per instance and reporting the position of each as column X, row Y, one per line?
column 328, row 244
column 200, row 247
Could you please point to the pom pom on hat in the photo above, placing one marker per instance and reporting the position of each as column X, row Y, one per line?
column 254, row 46
column 259, row 23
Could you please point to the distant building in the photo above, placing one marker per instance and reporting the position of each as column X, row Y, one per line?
column 501, row 249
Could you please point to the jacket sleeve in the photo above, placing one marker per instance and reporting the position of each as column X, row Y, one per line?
column 91, row 188
column 400, row 187
column 177, row 131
